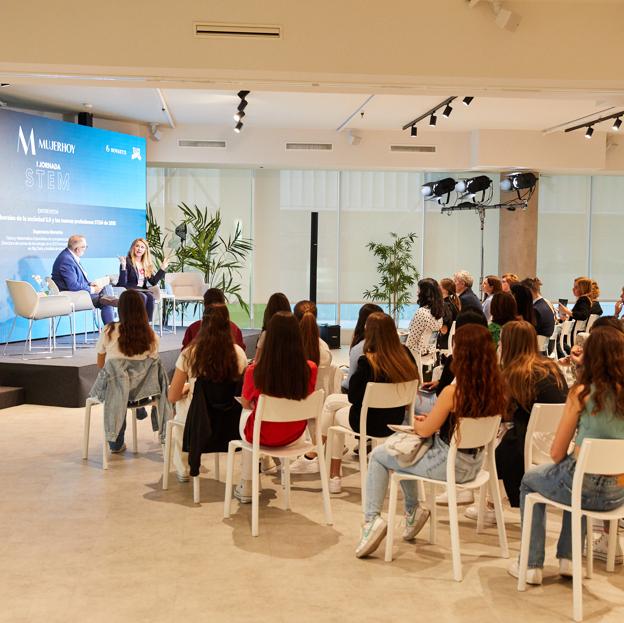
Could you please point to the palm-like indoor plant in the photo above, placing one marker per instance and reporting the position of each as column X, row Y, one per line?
column 397, row 272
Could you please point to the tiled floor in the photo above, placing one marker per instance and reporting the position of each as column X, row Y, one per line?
column 79, row 544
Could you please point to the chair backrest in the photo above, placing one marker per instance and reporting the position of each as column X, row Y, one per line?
column 328, row 379
column 542, row 343
column 451, row 335
column 543, row 423
column 592, row 318
column 597, row 456
column 185, row 284
column 475, row 432
column 25, row 299
column 54, row 289
column 388, row 396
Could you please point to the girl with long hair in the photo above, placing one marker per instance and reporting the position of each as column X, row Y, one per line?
column 490, row 286
column 277, row 302
column 504, row 309
column 130, row 338
column 214, row 357
column 428, row 319
column 384, row 360
column 452, row 307
column 138, row 272
column 594, row 409
column 284, row 372
column 478, row 392
column 524, row 302
column 315, row 348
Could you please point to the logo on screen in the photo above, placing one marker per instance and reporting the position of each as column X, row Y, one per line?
column 26, row 144
column 136, row 153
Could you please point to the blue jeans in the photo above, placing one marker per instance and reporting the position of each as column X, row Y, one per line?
column 600, row 493
column 108, row 312
column 431, row 465
column 116, row 445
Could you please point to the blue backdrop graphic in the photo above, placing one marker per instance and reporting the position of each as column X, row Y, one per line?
column 58, row 179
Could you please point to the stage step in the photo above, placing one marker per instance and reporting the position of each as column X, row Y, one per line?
column 11, row 397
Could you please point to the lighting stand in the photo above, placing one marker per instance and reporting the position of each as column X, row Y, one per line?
column 480, row 209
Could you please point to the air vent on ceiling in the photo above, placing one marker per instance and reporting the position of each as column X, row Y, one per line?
column 204, row 29
column 423, row 149
column 189, row 143
column 310, row 146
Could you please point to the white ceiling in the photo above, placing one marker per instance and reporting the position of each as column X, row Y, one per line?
column 326, row 111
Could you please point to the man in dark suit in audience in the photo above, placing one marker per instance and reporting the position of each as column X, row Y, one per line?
column 544, row 313
column 69, row 275
column 463, row 284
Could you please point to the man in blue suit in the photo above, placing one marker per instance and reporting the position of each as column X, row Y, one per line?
column 68, row 274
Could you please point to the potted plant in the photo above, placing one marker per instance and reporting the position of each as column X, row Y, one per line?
column 397, row 271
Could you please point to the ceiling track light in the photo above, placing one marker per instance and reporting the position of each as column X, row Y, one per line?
column 467, row 100
column 617, row 124
column 239, row 115
column 414, row 131
column 447, row 111
column 238, row 127
column 240, row 111
column 433, row 120
column 589, row 125
column 590, row 131
column 243, row 94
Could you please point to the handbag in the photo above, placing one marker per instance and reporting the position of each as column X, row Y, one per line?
column 408, row 448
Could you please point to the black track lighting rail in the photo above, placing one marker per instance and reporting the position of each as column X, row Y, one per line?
column 588, row 124
column 442, row 104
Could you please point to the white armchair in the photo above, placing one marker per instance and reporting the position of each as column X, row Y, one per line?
column 186, row 288
column 28, row 304
column 82, row 302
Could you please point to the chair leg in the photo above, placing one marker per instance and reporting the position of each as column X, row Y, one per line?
column 286, row 483
column 613, row 540
column 392, row 507
column 433, row 517
column 167, row 461
column 329, row 444
column 135, row 448
column 500, row 520
column 481, row 508
column 577, row 567
column 589, row 541
column 229, row 477
column 9, row 336
column 422, row 494
column 28, row 342
column 363, row 467
column 105, row 449
column 87, row 429
column 525, row 542
column 216, row 466
column 454, row 525
column 196, row 496
column 72, row 327
column 329, row 520
column 255, row 496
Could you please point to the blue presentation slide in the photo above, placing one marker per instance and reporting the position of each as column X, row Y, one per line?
column 59, row 179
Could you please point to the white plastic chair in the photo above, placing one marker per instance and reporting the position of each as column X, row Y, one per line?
column 449, row 349
column 377, row 395
column 471, row 433
column 597, row 456
column 565, row 334
column 579, row 327
column 542, row 344
column 272, row 409
column 105, row 449
column 543, row 423
column 329, row 379
column 590, row 322
column 168, row 455
column 185, row 288
column 28, row 304
column 428, row 360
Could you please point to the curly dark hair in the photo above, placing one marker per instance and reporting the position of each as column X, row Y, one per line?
column 602, row 374
column 430, row 296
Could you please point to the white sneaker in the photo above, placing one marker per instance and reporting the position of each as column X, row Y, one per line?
column 489, row 517
column 533, row 576
column 464, row 496
column 304, row 465
column 373, row 533
column 414, row 522
column 601, row 548
column 182, row 476
column 268, row 466
column 335, row 484
column 242, row 494
column 565, row 567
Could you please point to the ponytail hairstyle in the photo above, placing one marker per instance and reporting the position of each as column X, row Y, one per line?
column 306, row 312
column 135, row 334
column 449, row 285
column 388, row 358
column 365, row 311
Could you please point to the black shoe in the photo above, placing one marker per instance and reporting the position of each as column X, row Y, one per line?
column 141, row 413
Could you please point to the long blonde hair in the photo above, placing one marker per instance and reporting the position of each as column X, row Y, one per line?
column 148, row 263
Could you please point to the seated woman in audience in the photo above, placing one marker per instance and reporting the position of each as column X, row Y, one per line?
column 428, row 318
column 214, row 357
column 283, row 372
column 507, row 280
column 478, row 392
column 490, row 286
column 137, row 272
column 452, row 306
column 314, row 347
column 619, row 304
column 385, row 360
column 504, row 309
column 594, row 409
column 524, row 302
column 130, row 338
column 596, row 308
column 582, row 308
column 529, row 378
column 277, row 302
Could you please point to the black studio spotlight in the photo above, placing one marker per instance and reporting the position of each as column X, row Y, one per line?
column 447, row 111
column 467, row 101
column 433, row 120
column 616, row 124
column 474, row 185
column 414, row 131
column 518, row 181
column 439, row 188
column 590, row 131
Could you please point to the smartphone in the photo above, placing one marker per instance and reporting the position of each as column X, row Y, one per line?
column 563, row 302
